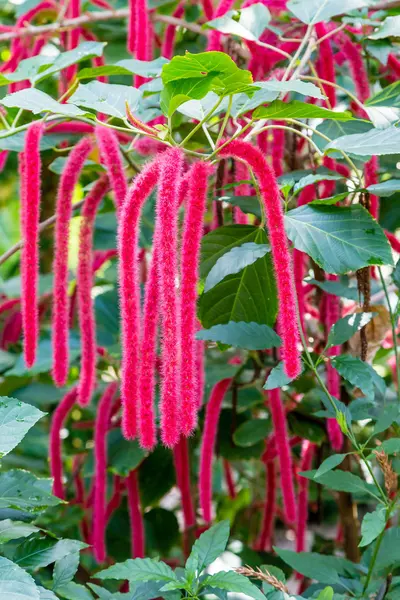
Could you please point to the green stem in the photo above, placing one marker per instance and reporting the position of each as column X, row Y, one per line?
column 239, row 132
column 225, row 121
column 296, row 55
column 292, row 129
column 200, row 123
column 393, row 324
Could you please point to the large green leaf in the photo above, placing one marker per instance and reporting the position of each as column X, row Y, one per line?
column 250, row 336
column 346, row 327
column 249, row 295
column 123, row 455
column 65, row 569
column 139, row 569
column 336, row 129
column 106, row 98
column 127, row 66
column 208, row 547
column 15, row 583
column 248, row 23
column 316, row 11
column 13, row 530
column 343, row 481
column 234, row 582
column 298, row 110
column 377, row 142
column 325, row 569
column 389, row 96
column 39, row 552
column 16, row 418
column 329, row 463
column 339, row 239
column 390, row 27
column 252, row 431
column 22, row 490
column 234, row 261
column 372, row 525
column 37, row 102
column 385, row 188
column 357, row 372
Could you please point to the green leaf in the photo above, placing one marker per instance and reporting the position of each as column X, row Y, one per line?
column 128, row 66
column 139, row 569
column 345, row 328
column 248, row 204
column 321, row 567
column 248, row 23
column 372, row 525
column 314, row 178
column 388, row 28
column 277, row 378
column 329, row 463
column 44, row 360
column 16, row 419
column 74, row 591
column 234, row 582
column 276, row 87
column 208, row 547
column 22, row 490
column 16, row 142
column 387, row 416
column 46, row 594
column 342, row 481
column 15, row 583
column 315, row 11
column 106, row 98
column 65, row 569
column 38, row 102
column 250, row 336
column 326, row 594
column 390, row 446
column 123, row 455
column 385, row 188
column 13, row 530
column 42, row 551
column 355, row 371
column 336, row 129
column 248, row 296
column 299, row 110
column 376, row 142
column 330, row 200
column 339, row 239
column 251, row 432
column 234, row 261
column 336, row 288
column 389, row 96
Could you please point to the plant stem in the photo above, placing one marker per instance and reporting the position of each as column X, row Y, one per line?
column 393, row 324
column 200, row 123
column 225, row 121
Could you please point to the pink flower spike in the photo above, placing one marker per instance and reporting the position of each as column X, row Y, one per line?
column 264, row 543
column 135, row 515
column 190, row 252
column 131, row 27
column 87, row 322
column 182, row 468
column 207, row 446
column 30, row 213
column 307, row 454
column 270, row 195
column 143, row 39
column 326, row 65
column 214, row 40
column 100, row 471
column 68, row 181
column 129, row 278
column 166, row 245
column 57, row 422
column 167, row 49
column 112, row 159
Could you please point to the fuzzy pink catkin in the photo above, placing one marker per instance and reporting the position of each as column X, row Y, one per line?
column 270, row 195
column 142, row 41
column 229, row 480
column 148, row 357
column 166, row 246
column 200, row 370
column 190, row 253
column 307, row 454
column 68, row 181
column 264, row 543
column 278, row 150
column 207, row 446
column 135, row 515
column 30, row 214
column 131, row 27
column 325, row 65
column 100, row 471
column 167, row 49
column 129, row 278
column 87, row 324
column 112, row 159
column 214, row 40
column 284, row 454
column 59, row 416
column 353, row 53
column 74, row 10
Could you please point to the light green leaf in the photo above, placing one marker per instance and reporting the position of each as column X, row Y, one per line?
column 139, row 569
column 16, row 142
column 128, row 66
column 42, row 551
column 314, row 178
column 277, row 378
column 329, row 463
column 339, row 239
column 46, row 594
column 38, row 102
column 390, row 446
column 330, row 200
column 372, row 525
column 248, row 23
column 376, row 142
column 321, row 567
column 388, row 28
column 385, row 188
column 326, row 594
column 250, row 336
column 234, row 261
column 208, row 547
column 336, row 129
column 345, row 328
column 316, row 11
column 279, row 87
column 65, row 569
column 388, row 96
column 22, row 490
column 74, row 591
column 123, row 455
column 336, row 288
column 106, row 98
column 234, row 582
column 16, row 419
column 44, row 361
column 342, row 481
column 15, row 583
column 251, row 432
column 198, row 109
column 299, row 110
column 248, row 204
column 13, row 530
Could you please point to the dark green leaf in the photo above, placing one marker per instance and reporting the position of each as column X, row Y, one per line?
column 22, row 490
column 325, row 569
column 385, row 188
column 377, row 142
column 16, row 419
column 123, row 455
column 356, row 371
column 335, row 129
column 346, row 327
column 389, row 96
column 208, row 547
column 74, row 591
column 336, row 288
column 277, row 378
column 248, row 204
column 250, row 336
column 372, row 525
column 139, row 569
column 339, row 239
column 329, row 463
column 15, row 583
column 298, row 110
column 65, row 569
column 234, row 582
column 342, row 481
column 42, row 551
column 251, row 432
column 234, row 261
column 396, row 275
